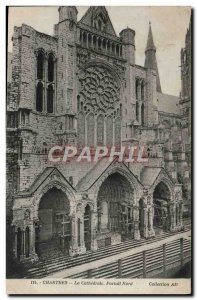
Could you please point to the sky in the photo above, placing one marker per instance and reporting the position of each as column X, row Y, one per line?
column 169, row 26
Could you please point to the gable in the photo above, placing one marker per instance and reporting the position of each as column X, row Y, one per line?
column 97, row 17
column 50, row 174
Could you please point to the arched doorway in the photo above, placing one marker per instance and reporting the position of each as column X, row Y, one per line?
column 54, row 233
column 161, row 201
column 115, row 200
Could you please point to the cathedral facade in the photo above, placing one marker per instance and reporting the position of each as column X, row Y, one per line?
column 82, row 87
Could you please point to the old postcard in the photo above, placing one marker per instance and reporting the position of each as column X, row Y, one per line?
column 99, row 150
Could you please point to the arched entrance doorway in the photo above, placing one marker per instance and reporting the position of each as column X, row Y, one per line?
column 161, row 201
column 115, row 200
column 53, row 232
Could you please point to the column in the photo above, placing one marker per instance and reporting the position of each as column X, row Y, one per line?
column 22, row 245
column 136, row 222
column 97, row 43
column 82, row 243
column 73, row 247
column 145, row 217
column 87, row 37
column 102, row 44
column 151, row 231
column 94, row 218
column 177, row 215
column 139, row 112
column 92, row 41
column 15, row 242
column 181, row 215
column 172, row 217
column 32, row 253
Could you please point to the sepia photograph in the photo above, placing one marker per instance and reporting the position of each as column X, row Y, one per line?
column 99, row 150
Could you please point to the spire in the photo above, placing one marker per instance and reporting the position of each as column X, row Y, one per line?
column 150, row 57
column 150, row 43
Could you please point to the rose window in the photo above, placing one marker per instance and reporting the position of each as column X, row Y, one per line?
column 99, row 90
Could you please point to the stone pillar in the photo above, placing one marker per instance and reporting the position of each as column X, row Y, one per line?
column 87, row 36
column 151, row 231
column 177, row 215
column 97, row 43
column 94, row 219
column 139, row 112
column 145, row 218
column 73, row 247
column 92, row 41
column 181, row 215
column 81, row 247
column 22, row 256
column 32, row 253
column 136, row 222
column 172, row 217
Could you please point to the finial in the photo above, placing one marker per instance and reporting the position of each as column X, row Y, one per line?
column 149, row 22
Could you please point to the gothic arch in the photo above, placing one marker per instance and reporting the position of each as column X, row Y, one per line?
column 65, row 188
column 134, row 183
column 166, row 181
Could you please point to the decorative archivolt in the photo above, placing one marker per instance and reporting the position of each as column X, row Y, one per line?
column 65, row 188
column 129, row 177
column 166, row 181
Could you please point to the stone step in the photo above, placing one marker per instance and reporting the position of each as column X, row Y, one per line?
column 65, row 262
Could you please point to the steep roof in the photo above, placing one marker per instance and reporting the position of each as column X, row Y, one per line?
column 149, row 175
column 92, row 13
column 168, row 103
column 93, row 174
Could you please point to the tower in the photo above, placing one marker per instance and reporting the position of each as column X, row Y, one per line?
column 150, row 57
column 66, row 31
column 185, row 101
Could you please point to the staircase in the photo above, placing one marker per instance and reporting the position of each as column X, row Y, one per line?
column 132, row 265
column 49, row 250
